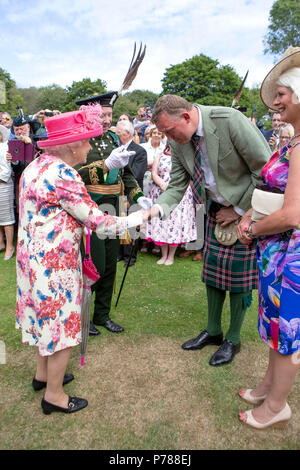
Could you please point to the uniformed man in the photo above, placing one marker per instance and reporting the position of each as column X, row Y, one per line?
column 105, row 185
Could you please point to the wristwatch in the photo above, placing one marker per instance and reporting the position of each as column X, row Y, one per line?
column 249, row 231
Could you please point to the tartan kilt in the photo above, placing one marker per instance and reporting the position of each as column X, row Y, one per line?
column 232, row 268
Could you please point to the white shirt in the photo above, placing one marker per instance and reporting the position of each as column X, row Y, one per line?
column 5, row 168
column 152, row 152
column 127, row 145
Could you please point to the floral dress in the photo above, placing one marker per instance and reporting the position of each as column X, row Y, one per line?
column 278, row 258
column 54, row 207
column 180, row 226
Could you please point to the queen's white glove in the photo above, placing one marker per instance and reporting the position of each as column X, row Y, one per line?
column 145, row 202
column 118, row 158
column 120, row 225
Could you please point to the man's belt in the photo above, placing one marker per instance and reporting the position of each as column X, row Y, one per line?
column 215, row 207
column 104, row 188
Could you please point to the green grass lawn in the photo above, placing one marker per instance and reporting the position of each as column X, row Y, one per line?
column 144, row 391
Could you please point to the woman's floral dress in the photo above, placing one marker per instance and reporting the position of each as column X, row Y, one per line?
column 180, row 226
column 279, row 271
column 54, row 207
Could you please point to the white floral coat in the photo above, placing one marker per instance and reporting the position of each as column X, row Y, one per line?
column 54, row 207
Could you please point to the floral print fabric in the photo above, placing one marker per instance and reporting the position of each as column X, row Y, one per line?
column 278, row 258
column 54, row 207
column 180, row 226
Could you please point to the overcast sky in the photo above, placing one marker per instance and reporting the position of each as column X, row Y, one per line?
column 61, row 41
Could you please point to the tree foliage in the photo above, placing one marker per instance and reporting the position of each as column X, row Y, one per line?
column 82, row 89
column 52, row 97
column 202, row 80
column 199, row 79
column 130, row 102
column 31, row 98
column 9, row 95
column 284, row 27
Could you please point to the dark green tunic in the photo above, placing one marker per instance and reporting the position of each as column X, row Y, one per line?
column 104, row 253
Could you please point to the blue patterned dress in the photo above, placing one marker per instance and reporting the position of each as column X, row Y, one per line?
column 278, row 259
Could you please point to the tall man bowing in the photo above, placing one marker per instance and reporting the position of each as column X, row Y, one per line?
column 222, row 152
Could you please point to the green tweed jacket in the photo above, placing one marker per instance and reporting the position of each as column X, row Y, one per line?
column 237, row 151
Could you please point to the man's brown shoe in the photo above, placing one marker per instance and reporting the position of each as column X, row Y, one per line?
column 186, row 254
column 198, row 257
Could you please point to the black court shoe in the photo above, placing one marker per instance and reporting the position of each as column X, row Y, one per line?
column 75, row 404
column 39, row 385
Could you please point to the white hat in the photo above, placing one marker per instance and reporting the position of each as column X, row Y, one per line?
column 5, row 132
column 291, row 58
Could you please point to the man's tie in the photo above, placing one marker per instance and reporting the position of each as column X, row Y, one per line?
column 197, row 174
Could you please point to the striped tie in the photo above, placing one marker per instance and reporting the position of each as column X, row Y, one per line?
column 197, row 174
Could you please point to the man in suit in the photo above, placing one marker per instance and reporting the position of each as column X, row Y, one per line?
column 223, row 153
column 138, row 165
column 276, row 124
column 105, row 188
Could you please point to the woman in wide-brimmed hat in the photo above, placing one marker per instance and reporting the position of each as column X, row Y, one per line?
column 278, row 252
column 54, row 208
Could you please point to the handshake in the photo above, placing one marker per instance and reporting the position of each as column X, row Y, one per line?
column 118, row 158
column 113, row 226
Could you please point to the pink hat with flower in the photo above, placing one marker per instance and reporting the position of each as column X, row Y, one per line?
column 71, row 127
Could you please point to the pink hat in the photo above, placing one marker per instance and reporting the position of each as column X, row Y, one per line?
column 70, row 127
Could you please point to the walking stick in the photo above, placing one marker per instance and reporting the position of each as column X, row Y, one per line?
column 126, row 269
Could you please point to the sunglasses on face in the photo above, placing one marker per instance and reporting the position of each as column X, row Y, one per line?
column 5, row 119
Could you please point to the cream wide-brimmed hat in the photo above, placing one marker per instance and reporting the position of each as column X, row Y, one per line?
column 291, row 58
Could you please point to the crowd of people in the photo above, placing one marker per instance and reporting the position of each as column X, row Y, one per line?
column 169, row 163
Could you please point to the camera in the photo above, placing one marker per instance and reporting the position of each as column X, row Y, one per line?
column 147, row 113
column 49, row 113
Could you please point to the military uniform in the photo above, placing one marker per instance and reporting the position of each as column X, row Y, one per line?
column 105, row 190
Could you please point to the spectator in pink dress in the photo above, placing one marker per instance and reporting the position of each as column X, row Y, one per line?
column 180, row 226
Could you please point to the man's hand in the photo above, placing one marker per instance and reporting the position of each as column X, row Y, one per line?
column 273, row 141
column 145, row 202
column 118, row 158
column 25, row 139
column 226, row 215
column 150, row 213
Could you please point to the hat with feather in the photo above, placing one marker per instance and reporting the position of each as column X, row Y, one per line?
column 109, row 99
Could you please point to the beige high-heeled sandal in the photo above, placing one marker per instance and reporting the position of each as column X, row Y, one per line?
column 246, row 395
column 279, row 421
